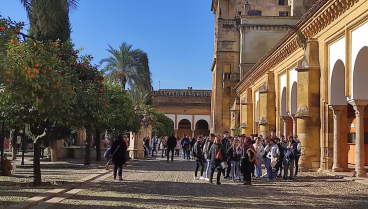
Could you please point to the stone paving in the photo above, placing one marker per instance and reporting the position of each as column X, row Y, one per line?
column 16, row 189
column 154, row 183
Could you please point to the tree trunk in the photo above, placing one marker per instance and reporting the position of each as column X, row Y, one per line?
column 87, row 156
column 53, row 149
column 98, row 145
column 36, row 163
column 14, row 144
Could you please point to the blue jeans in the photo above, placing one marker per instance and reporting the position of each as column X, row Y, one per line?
column 270, row 174
column 208, row 169
column 235, row 165
column 259, row 167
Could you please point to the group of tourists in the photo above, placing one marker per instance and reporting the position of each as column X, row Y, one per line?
column 240, row 157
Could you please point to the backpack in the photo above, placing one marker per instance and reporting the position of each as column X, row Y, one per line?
column 218, row 155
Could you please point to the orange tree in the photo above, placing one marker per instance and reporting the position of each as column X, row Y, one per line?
column 36, row 82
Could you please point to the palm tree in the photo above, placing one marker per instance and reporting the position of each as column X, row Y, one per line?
column 127, row 66
column 49, row 19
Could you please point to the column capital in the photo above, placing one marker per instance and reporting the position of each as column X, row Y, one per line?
column 358, row 104
column 285, row 118
column 337, row 109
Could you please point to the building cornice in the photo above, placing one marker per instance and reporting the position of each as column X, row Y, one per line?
column 316, row 19
column 182, row 93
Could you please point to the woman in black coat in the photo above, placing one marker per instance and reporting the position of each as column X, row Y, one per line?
column 119, row 148
column 247, row 161
column 216, row 163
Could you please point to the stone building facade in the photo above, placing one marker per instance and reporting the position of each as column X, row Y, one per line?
column 244, row 31
column 312, row 82
column 188, row 109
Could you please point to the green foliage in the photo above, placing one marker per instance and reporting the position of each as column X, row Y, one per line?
column 35, row 79
column 162, row 125
column 237, row 130
column 127, row 65
column 49, row 19
column 120, row 115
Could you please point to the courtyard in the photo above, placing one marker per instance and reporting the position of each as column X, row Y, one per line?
column 154, row 183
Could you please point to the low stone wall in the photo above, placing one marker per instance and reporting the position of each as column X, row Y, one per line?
column 77, row 152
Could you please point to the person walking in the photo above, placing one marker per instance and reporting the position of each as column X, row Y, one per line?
column 163, row 146
column 119, row 149
column 198, row 156
column 217, row 156
column 171, row 144
column 154, row 145
column 225, row 141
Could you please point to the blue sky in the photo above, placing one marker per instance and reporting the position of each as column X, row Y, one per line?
column 177, row 35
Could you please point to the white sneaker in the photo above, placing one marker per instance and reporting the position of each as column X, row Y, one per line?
column 196, row 178
column 201, row 178
column 207, row 179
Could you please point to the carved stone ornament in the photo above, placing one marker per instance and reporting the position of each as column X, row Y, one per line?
column 302, row 111
column 262, row 121
column 303, row 65
column 243, row 101
column 232, row 115
column 243, row 126
column 301, row 40
column 263, row 88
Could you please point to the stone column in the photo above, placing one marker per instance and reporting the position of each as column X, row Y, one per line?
column 193, row 133
column 359, row 106
column 286, row 121
column 308, row 107
column 337, row 110
column 292, row 116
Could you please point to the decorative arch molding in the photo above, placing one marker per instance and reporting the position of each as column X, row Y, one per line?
column 293, row 98
column 283, row 110
column 202, row 117
column 187, row 117
column 360, row 75
column 172, row 117
column 358, row 42
column 337, row 84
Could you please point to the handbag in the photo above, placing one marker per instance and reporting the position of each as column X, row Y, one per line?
column 218, row 155
column 223, row 165
column 273, row 162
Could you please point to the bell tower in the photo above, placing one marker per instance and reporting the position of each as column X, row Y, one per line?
column 225, row 66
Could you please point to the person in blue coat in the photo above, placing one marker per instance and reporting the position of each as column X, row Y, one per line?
column 290, row 153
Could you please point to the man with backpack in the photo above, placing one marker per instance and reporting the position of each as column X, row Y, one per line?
column 185, row 146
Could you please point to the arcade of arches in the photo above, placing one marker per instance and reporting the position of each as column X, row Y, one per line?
column 188, row 109
column 314, row 83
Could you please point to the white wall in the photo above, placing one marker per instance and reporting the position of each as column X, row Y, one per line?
column 202, row 117
column 358, row 41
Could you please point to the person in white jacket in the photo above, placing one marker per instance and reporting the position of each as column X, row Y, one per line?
column 260, row 152
column 272, row 156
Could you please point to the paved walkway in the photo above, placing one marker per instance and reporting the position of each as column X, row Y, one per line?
column 154, row 183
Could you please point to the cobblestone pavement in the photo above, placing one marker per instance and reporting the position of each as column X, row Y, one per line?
column 154, row 183
column 16, row 189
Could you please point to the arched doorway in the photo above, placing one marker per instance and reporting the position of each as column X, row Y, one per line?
column 360, row 93
column 294, row 105
column 285, row 118
column 338, row 105
column 201, row 128
column 184, row 127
